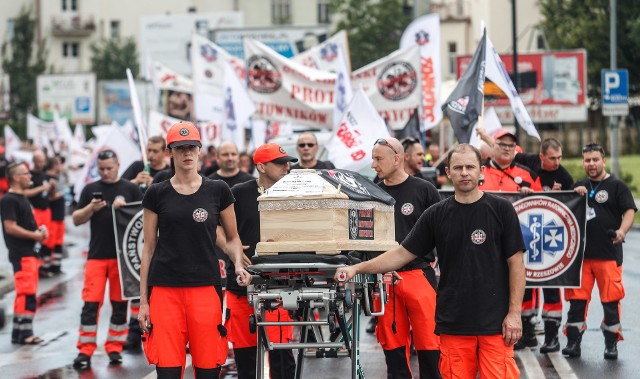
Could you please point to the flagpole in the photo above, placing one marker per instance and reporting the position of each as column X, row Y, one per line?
column 137, row 117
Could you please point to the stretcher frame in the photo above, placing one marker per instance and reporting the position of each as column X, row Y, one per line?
column 302, row 282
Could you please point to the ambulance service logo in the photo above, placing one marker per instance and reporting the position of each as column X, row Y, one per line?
column 551, row 236
column 200, row 215
column 478, row 236
column 602, row 196
column 406, row 209
column 329, row 52
column 264, row 77
column 132, row 242
column 397, row 81
column 422, row 38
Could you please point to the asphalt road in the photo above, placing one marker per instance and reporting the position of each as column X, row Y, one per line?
column 58, row 319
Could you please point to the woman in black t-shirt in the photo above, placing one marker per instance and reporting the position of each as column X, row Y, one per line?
column 180, row 293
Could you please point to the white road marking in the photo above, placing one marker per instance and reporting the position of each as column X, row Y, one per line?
column 530, row 363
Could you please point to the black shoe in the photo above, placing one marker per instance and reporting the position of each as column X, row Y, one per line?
column 611, row 352
column 371, row 327
column 572, row 349
column 115, row 358
column 550, row 346
column 523, row 342
column 44, row 273
column 82, row 362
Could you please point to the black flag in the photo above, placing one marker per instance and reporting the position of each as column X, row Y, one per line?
column 411, row 128
column 464, row 105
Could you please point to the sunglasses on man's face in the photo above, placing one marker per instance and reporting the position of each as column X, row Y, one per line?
column 382, row 141
column 106, row 154
column 303, row 145
column 593, row 147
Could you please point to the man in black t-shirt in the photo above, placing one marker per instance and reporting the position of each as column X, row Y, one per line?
column 229, row 171
column 137, row 172
column 307, row 148
column 553, row 177
column 610, row 213
column 94, row 206
column 53, row 169
column 21, row 236
column 412, row 297
column 38, row 195
column 480, row 251
column 272, row 163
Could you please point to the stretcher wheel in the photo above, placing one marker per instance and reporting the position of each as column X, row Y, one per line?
column 332, row 322
column 348, row 298
column 252, row 324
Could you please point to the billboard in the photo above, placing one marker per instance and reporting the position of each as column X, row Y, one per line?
column 5, row 106
column 167, row 38
column 287, row 41
column 72, row 95
column 554, row 88
column 114, row 100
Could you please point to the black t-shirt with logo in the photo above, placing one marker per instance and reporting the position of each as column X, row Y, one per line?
column 547, row 178
column 320, row 165
column 413, row 197
column 16, row 207
column 231, row 181
column 57, row 206
column 248, row 220
column 102, row 244
column 611, row 198
column 41, row 200
column 184, row 254
column 473, row 242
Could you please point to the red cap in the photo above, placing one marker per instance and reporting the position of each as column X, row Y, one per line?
column 504, row 132
column 272, row 152
column 183, row 133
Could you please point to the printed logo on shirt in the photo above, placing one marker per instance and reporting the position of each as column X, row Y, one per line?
column 551, row 236
column 478, row 236
column 200, row 215
column 518, row 180
column 602, row 196
column 407, row 209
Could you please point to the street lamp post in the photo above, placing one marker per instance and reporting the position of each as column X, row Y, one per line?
column 613, row 120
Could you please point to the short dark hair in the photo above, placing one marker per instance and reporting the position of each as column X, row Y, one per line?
column 550, row 143
column 11, row 168
column 593, row 146
column 463, row 148
column 408, row 142
column 107, row 154
column 52, row 162
column 158, row 139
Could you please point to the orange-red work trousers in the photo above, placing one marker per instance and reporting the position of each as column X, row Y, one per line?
column 462, row 356
column 24, row 307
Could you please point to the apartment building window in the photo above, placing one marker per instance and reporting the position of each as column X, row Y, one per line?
column 11, row 25
column 453, row 52
column 70, row 49
column 280, row 11
column 323, row 12
column 69, row 5
column 115, row 28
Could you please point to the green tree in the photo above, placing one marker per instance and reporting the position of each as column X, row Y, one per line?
column 374, row 27
column 571, row 24
column 111, row 57
column 23, row 67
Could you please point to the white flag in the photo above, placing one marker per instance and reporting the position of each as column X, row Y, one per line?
column 491, row 124
column 12, row 144
column 78, row 134
column 211, row 133
column 343, row 91
column 140, row 124
column 497, row 73
column 208, row 66
column 238, row 109
column 425, row 32
column 352, row 141
column 160, row 123
column 166, row 78
column 109, row 138
column 36, row 127
column 393, row 85
column 324, row 56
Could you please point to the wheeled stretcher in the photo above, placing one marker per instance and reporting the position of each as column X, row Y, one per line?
column 302, row 283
